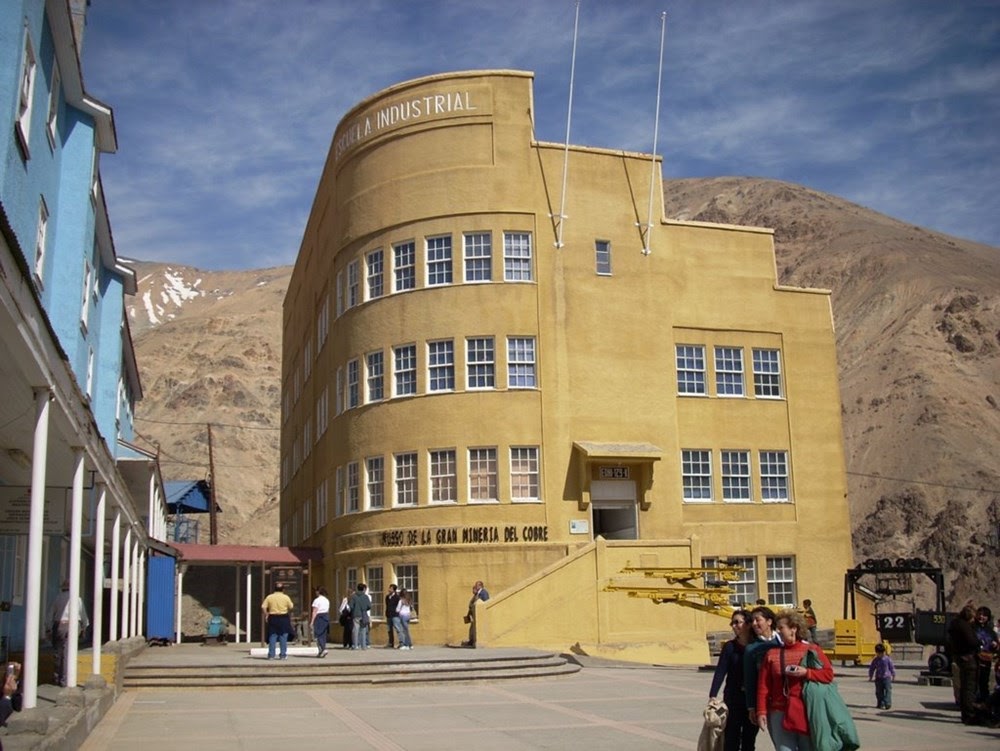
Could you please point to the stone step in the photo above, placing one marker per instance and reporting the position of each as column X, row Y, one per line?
column 326, row 672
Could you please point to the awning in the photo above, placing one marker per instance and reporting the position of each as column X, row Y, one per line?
column 619, row 451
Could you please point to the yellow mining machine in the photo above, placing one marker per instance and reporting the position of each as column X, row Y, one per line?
column 678, row 585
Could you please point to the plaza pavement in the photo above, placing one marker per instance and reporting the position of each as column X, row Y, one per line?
column 607, row 705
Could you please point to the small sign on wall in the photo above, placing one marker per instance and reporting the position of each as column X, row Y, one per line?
column 579, row 526
column 615, row 473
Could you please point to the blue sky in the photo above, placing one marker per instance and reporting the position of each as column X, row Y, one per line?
column 225, row 109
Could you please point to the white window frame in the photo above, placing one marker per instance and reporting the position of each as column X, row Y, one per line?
column 322, row 412
column 52, row 117
column 375, row 376
column 775, row 483
column 767, row 373
column 41, row 239
column 322, row 491
column 338, row 500
column 602, row 257
column 781, row 581
column 26, row 92
column 478, row 257
column 404, row 370
column 375, row 267
column 353, row 284
column 406, row 479
column 404, row 266
column 375, row 482
column 441, row 365
column 729, row 379
column 443, row 474
column 480, row 363
column 483, row 475
column 696, row 475
column 525, row 474
column 353, row 500
column 692, row 375
column 88, row 270
column 408, row 578
column 736, row 480
column 440, row 269
column 521, row 362
column 745, row 587
column 517, row 257
column 353, row 384
column 375, row 579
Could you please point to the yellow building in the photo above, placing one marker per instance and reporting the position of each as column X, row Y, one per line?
column 464, row 398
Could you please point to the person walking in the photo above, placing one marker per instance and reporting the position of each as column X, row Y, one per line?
column 391, row 603
column 404, row 613
column 58, row 618
column 277, row 608
column 346, row 623
column 883, row 672
column 740, row 733
column 764, row 638
column 320, row 620
column 361, row 605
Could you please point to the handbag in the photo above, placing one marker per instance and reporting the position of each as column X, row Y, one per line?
column 795, row 720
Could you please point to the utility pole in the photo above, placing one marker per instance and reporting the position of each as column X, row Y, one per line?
column 213, row 529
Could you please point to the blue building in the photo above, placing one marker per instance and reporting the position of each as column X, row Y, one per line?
column 79, row 502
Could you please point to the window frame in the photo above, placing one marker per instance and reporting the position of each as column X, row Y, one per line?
column 521, row 364
column 352, row 501
column 439, row 260
column 769, row 380
column 530, row 476
column 442, row 472
column 772, row 481
column 404, row 266
column 780, row 570
column 733, row 480
column 602, row 257
column 353, row 384
column 691, row 369
column 26, row 92
column 375, row 482
column 480, row 475
column 375, row 376
column 518, row 260
column 480, row 363
column 374, row 273
column 477, row 256
column 404, row 379
column 441, row 372
column 406, row 480
column 730, row 381
column 689, row 463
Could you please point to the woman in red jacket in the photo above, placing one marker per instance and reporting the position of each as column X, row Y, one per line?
column 779, row 687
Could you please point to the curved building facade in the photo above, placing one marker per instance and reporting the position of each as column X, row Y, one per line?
column 466, row 397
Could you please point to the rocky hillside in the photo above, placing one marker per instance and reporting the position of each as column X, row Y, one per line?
column 918, row 328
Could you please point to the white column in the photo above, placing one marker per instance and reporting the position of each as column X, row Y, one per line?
column 75, row 537
column 151, row 518
column 248, row 618
column 97, row 617
column 133, row 616
column 236, row 589
column 33, row 588
column 126, row 581
column 140, row 615
column 116, row 532
column 181, row 568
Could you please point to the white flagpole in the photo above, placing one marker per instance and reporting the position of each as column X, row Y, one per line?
column 656, row 131
column 569, row 118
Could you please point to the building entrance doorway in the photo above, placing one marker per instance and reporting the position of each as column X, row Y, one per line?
column 614, row 511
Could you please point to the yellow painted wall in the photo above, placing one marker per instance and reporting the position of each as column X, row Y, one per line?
column 455, row 153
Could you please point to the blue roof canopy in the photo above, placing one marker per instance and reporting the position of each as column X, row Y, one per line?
column 189, row 496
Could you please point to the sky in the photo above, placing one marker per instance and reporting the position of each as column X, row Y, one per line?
column 225, row 109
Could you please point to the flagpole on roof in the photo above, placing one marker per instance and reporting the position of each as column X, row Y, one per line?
column 656, row 130
column 561, row 216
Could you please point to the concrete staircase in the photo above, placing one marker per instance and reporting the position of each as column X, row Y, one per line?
column 348, row 668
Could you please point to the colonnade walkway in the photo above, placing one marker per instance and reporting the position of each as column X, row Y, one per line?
column 608, row 705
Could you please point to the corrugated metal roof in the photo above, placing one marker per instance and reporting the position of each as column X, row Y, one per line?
column 189, row 496
column 231, row 554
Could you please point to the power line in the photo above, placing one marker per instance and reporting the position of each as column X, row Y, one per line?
column 219, row 424
column 923, row 482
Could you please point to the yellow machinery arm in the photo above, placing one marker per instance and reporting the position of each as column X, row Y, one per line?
column 677, row 587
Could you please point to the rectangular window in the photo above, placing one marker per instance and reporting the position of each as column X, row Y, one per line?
column 736, row 476
column 306, row 520
column 406, row 578
column 322, row 412
column 439, row 260
column 375, row 467
column 307, row 441
column 404, row 266
column 781, row 581
column 375, row 376
column 405, row 371
column 353, row 488
column 767, row 373
column 479, row 361
column 40, row 239
column 745, row 587
column 340, row 293
column 52, row 119
column 307, row 358
column 353, row 284
column 322, row 323
column 406, row 479
column 26, row 92
column 374, row 265
column 352, row 581
column 524, row 484
column 478, row 257
column 696, row 472
column 602, row 257
column 376, row 590
column 483, row 475
column 728, row 371
column 774, row 476
column 690, row 369
column 338, row 406
column 90, row 372
column 521, row 362
column 517, row 256
column 353, row 384
column 444, row 481
column 321, row 504
column 338, row 501
column 85, row 305
column 441, row 366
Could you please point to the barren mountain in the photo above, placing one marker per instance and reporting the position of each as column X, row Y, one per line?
column 917, row 315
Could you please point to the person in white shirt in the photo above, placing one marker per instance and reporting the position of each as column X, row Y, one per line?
column 320, row 622
column 58, row 618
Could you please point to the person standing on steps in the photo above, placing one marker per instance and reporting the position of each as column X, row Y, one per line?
column 361, row 605
column 320, row 621
column 478, row 593
column 277, row 607
column 404, row 613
